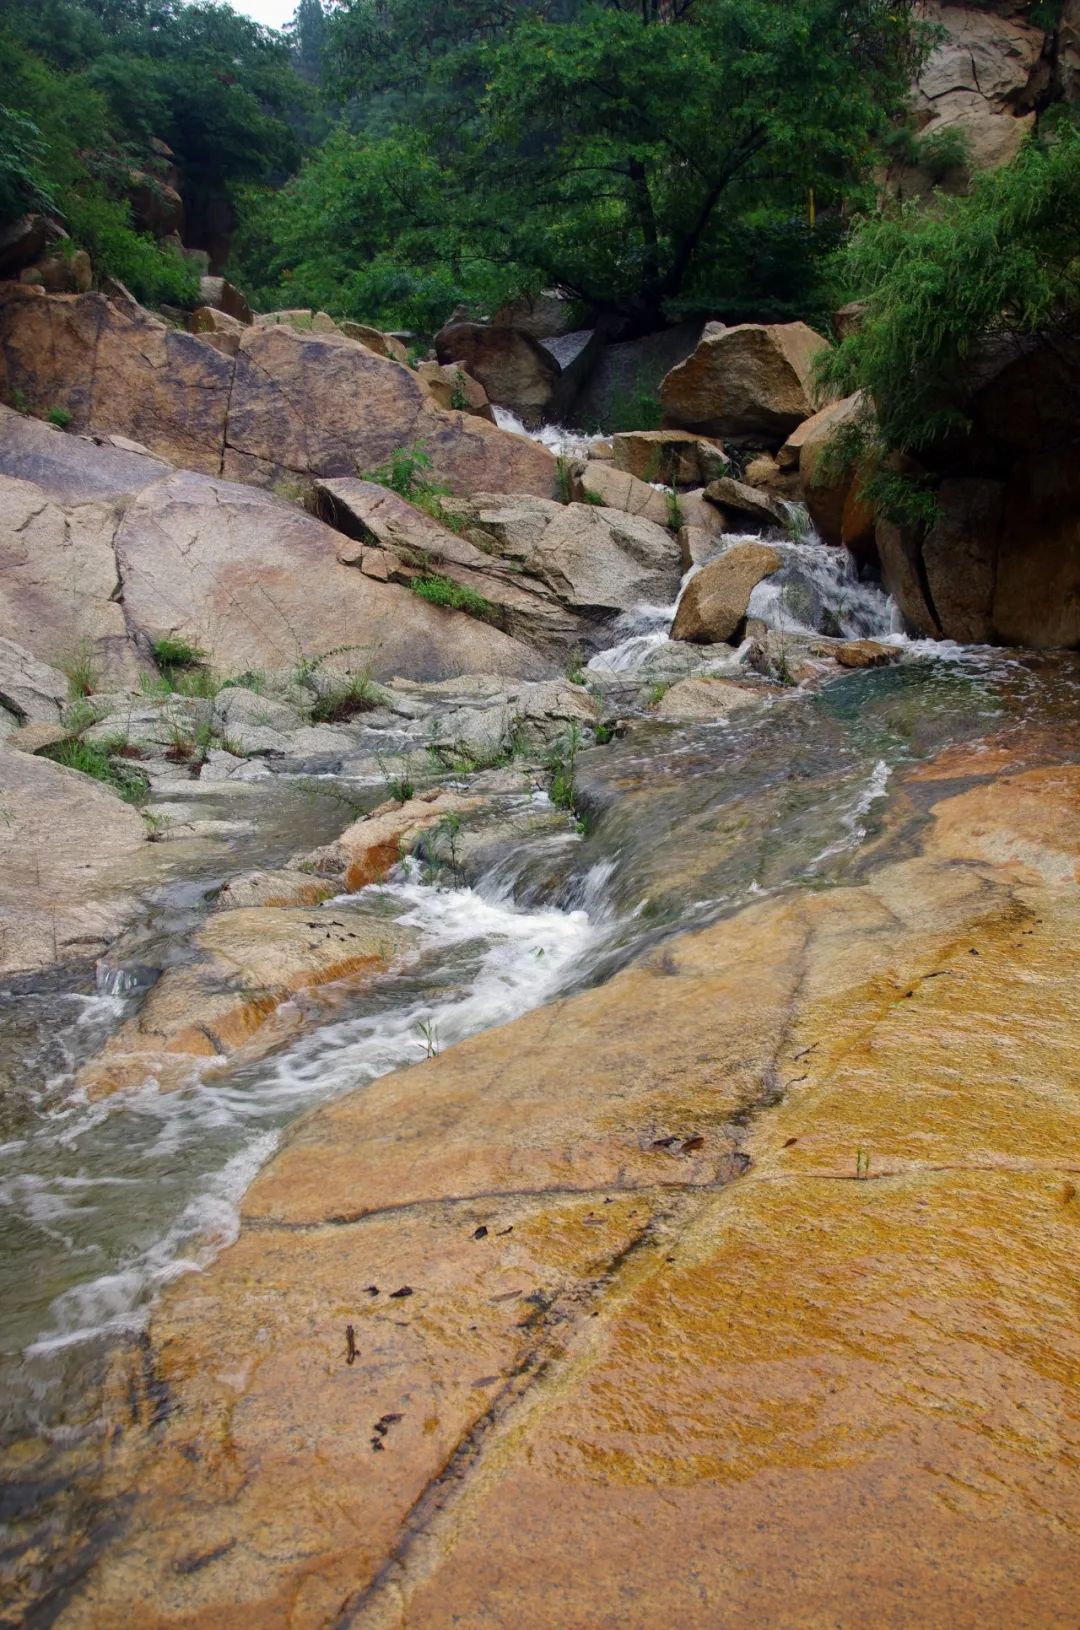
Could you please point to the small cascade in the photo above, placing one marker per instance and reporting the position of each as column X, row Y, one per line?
column 564, row 443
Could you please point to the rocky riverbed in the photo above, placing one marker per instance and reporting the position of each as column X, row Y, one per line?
column 561, row 1111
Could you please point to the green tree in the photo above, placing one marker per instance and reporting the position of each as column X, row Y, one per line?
column 942, row 284
column 630, row 151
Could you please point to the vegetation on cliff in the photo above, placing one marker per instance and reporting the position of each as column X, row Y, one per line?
column 942, row 287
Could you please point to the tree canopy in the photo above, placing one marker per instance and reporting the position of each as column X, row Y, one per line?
column 85, row 85
column 651, row 158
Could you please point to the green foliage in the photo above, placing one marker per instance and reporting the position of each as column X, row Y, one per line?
column 564, row 476
column 588, row 496
column 172, row 652
column 87, row 83
column 80, row 667
column 651, row 158
column 98, row 759
column 406, row 473
column 562, row 765
column 345, row 698
column 674, row 510
column 58, row 416
column 442, row 591
column 939, row 284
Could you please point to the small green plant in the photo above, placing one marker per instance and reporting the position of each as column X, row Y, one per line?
column 97, row 759
column 459, row 393
column 406, row 473
column 345, row 698
column 156, row 825
column 575, row 673
column 401, row 788
column 81, row 670
column 58, row 416
column 251, row 680
column 605, row 733
column 589, row 496
column 562, row 763
column 674, row 510
column 862, row 1164
column 429, row 1035
column 657, row 691
column 20, row 401
column 564, row 476
column 442, row 591
column 172, row 652
column 79, row 716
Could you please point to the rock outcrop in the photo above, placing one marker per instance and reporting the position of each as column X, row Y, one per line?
column 515, row 370
column 751, row 381
column 613, row 1272
column 597, row 560
column 285, row 405
column 204, row 1013
column 104, row 551
column 1001, row 562
column 64, row 842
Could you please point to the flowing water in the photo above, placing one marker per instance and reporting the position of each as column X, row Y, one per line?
column 101, row 1205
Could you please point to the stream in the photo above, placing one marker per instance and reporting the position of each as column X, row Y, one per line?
column 102, row 1204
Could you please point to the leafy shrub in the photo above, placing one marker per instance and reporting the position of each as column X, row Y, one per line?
column 97, row 759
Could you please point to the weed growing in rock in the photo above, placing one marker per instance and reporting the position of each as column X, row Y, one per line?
column 561, row 763
column 81, row 670
column 459, row 395
column 172, row 652
column 565, row 478
column 443, row 591
column 657, row 691
column 344, row 699
column 588, row 496
column 674, row 510
column 58, row 416
column 575, row 673
column 406, row 473
column 98, row 759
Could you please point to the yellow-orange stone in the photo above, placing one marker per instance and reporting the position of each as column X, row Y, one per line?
column 737, row 1294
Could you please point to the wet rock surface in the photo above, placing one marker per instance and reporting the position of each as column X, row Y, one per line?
column 616, row 1265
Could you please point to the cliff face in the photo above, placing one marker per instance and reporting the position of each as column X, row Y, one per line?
column 997, row 69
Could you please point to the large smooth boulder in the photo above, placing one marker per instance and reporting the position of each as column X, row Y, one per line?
column 832, row 487
column 515, row 370
column 66, row 844
column 59, row 584
column 714, row 604
column 754, row 380
column 103, row 551
column 257, row 583
column 286, row 405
